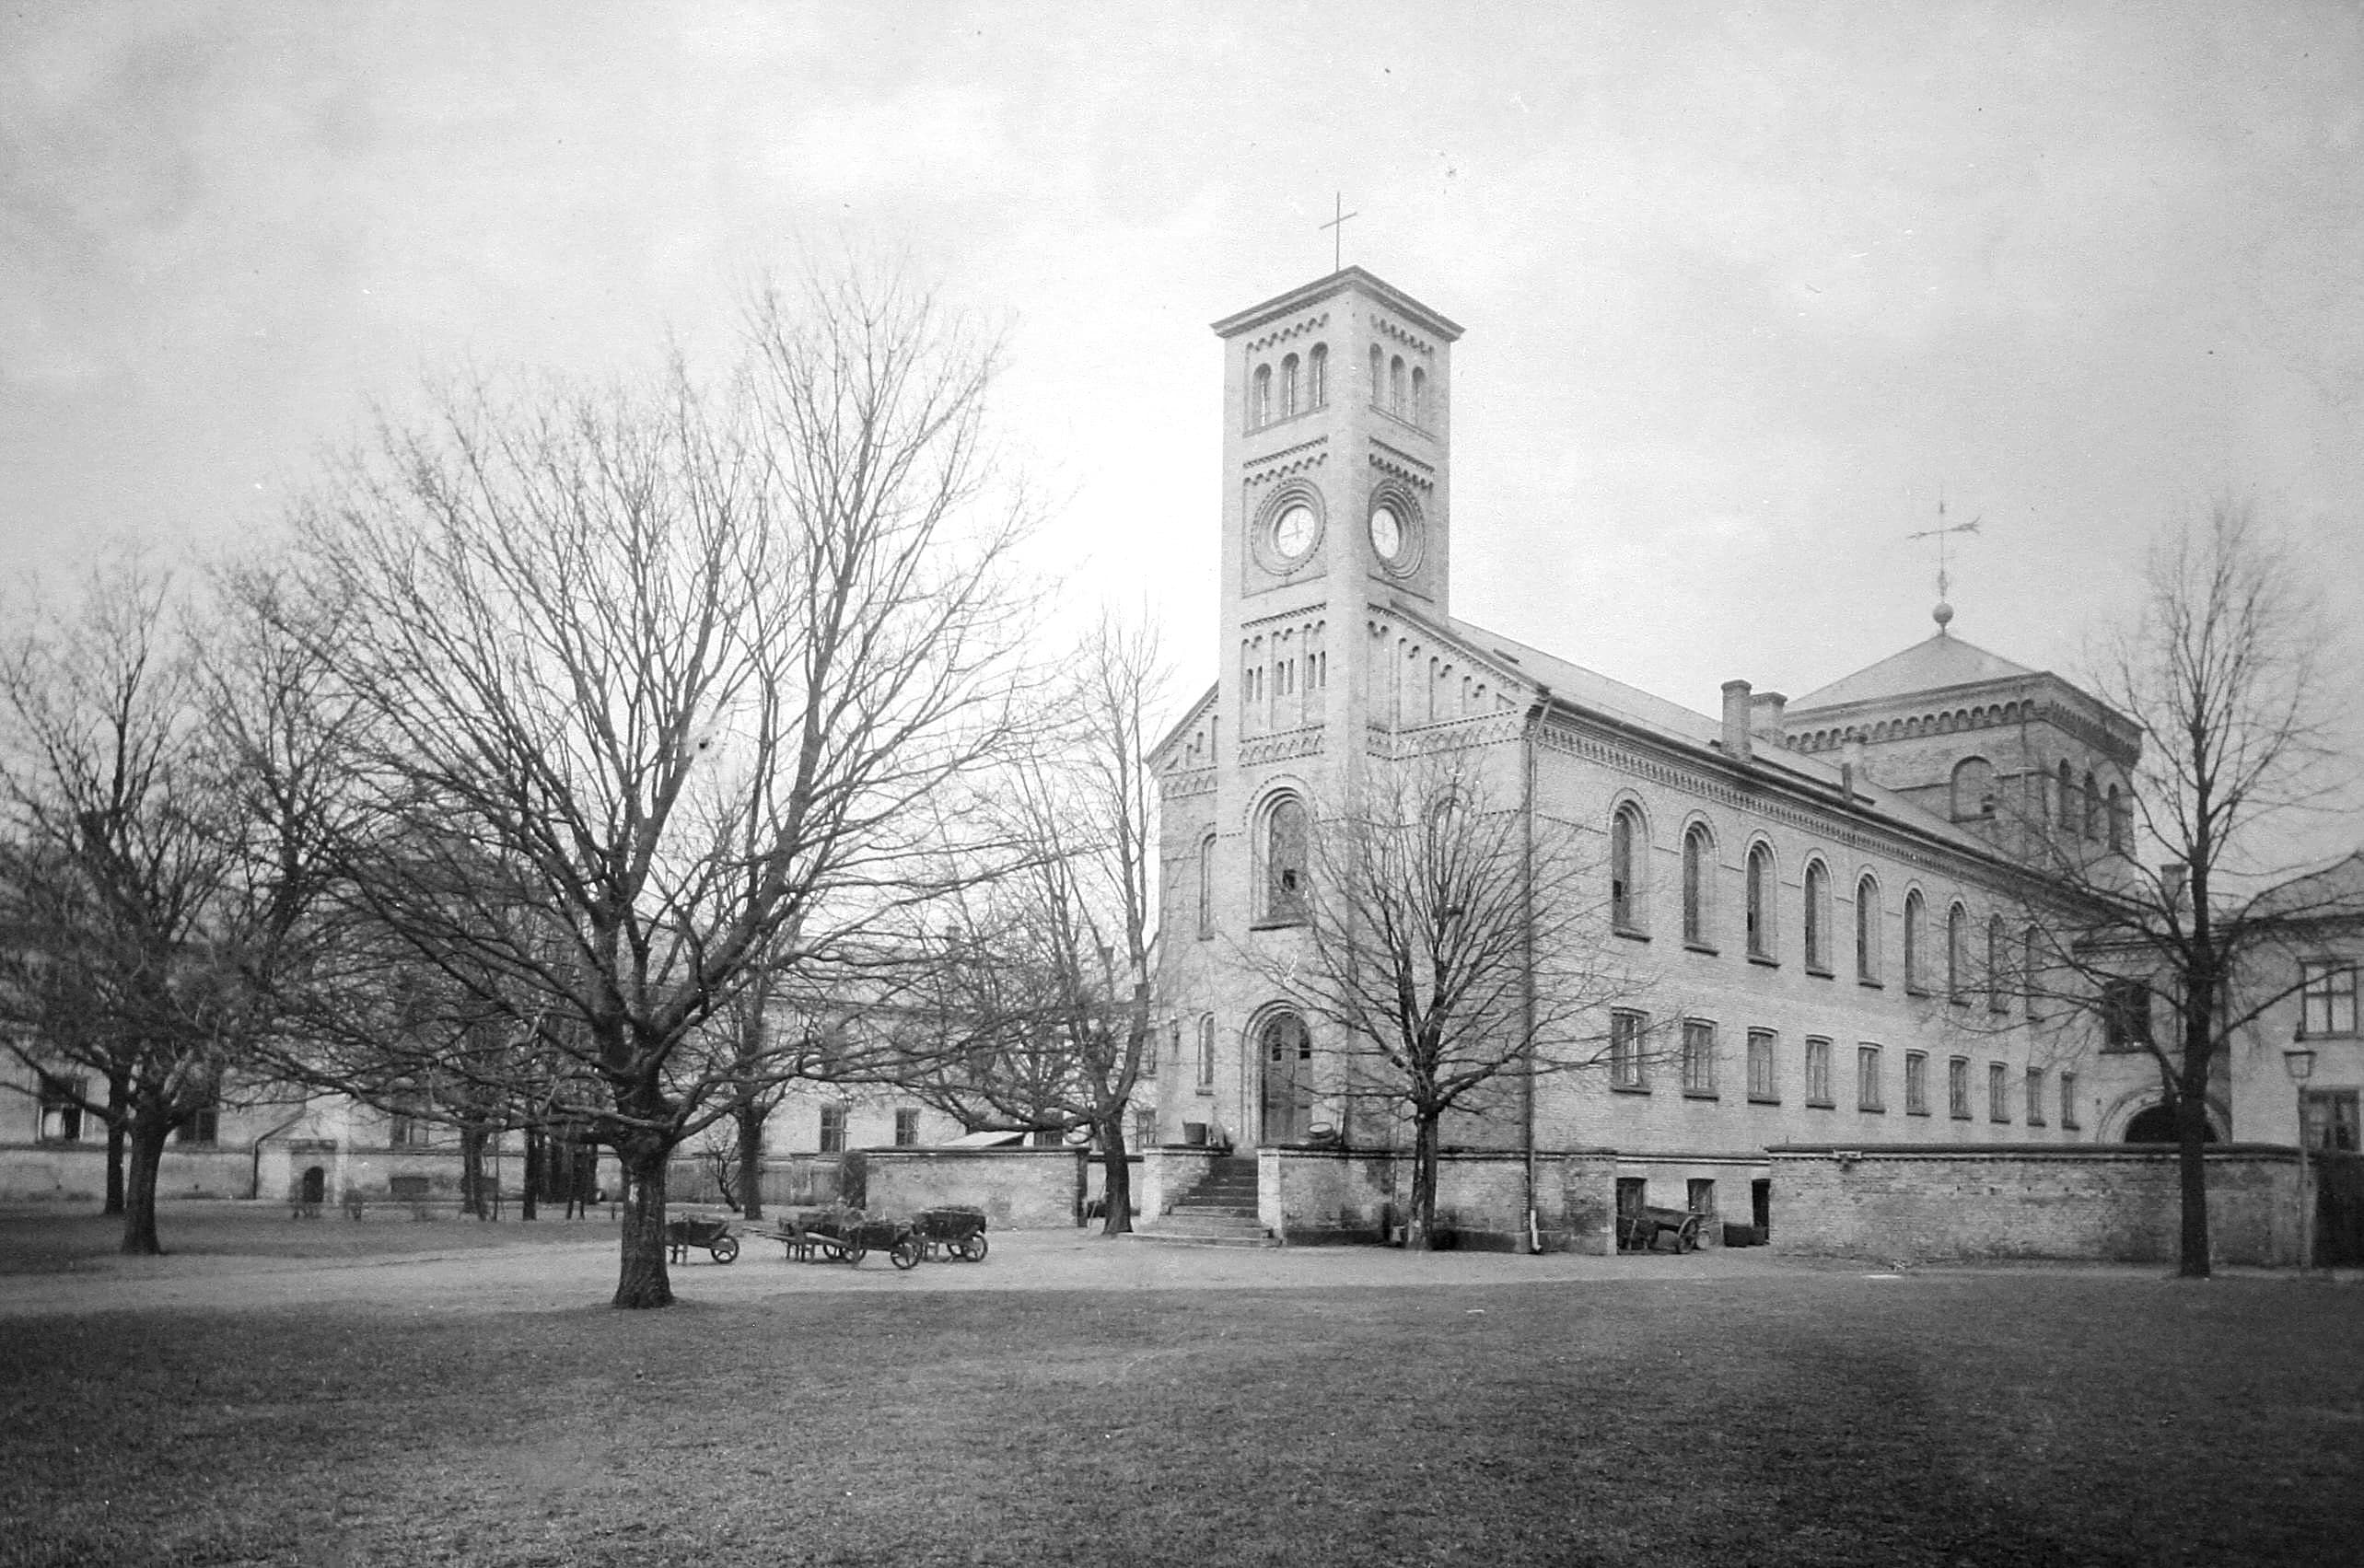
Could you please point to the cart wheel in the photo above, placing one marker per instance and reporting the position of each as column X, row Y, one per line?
column 974, row 1247
column 726, row 1249
column 906, row 1253
column 856, row 1253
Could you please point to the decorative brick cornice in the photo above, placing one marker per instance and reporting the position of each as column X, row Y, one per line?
column 1297, row 329
column 1183, row 783
column 1409, row 471
column 1289, row 460
column 1388, row 327
column 1305, row 742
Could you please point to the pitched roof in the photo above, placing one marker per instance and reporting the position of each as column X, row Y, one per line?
column 1931, row 665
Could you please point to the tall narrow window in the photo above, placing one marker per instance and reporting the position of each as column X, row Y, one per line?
column 1419, row 397
column 2125, row 1015
column 2117, row 822
column 906, row 1128
column 1625, row 1066
column 1867, row 930
column 1626, row 861
column 1957, row 1088
column 2090, row 803
column 1871, row 1093
column 2326, row 998
column 1289, row 386
column 1378, row 377
column 1317, row 377
column 1699, row 1058
column 1764, row 1088
column 2068, row 1101
column 1999, row 1092
column 1206, row 888
column 1145, row 1128
column 1698, row 862
column 1260, row 398
column 1916, row 979
column 1916, row 1082
column 833, row 1129
column 1818, row 917
column 1760, row 901
column 1957, row 955
column 2032, row 975
column 1998, row 977
column 2036, row 1097
column 1395, row 386
column 1285, row 867
column 1818, row 1073
column 1206, row 1054
column 2066, row 790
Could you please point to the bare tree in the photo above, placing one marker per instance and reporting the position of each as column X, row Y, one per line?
column 659, row 684
column 159, row 867
column 1446, row 945
column 2181, row 903
column 1038, row 1005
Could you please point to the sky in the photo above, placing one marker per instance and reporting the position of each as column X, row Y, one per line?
column 1747, row 289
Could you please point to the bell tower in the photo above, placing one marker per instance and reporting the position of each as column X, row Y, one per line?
column 1337, row 420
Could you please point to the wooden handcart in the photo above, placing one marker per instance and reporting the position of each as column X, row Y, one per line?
column 713, row 1235
column 847, row 1236
column 953, row 1232
column 1639, row 1230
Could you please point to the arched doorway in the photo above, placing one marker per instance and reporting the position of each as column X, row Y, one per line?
column 2157, row 1126
column 315, row 1189
column 1287, row 1052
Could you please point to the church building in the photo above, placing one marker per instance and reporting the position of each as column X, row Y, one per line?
column 1824, row 891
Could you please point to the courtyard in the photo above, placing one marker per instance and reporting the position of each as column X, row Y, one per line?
column 396, row 1392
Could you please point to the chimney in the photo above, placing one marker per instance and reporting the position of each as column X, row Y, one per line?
column 1736, row 721
column 1854, row 771
column 1765, row 715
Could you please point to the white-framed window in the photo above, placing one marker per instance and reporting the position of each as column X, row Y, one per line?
column 1916, row 1082
column 1818, row 1073
column 1627, row 1068
column 906, row 1127
column 833, row 1129
column 1765, row 1085
column 2326, row 998
column 1699, row 1058
column 1871, row 1091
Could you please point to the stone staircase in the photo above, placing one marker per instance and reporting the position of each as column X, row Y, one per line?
column 1219, row 1212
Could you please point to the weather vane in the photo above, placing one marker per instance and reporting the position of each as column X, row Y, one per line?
column 1944, row 611
column 1337, row 226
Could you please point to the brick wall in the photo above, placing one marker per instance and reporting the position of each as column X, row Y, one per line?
column 1312, row 1196
column 1017, row 1189
column 2115, row 1203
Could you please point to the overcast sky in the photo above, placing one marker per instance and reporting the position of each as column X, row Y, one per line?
column 1745, row 287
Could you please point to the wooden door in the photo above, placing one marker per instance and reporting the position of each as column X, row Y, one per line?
column 1288, row 1080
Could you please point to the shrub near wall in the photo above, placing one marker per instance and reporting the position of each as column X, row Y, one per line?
column 2109, row 1202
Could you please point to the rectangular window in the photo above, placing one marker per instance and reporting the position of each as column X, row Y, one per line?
column 2125, row 1015
column 906, row 1129
column 2331, row 1119
column 1999, row 1092
column 204, row 1126
column 1957, row 1088
column 1870, row 1094
column 2327, row 997
column 2036, row 1097
column 833, row 1129
column 1700, row 1196
column 2068, row 1101
column 1155, row 1046
column 1625, row 1051
column 62, row 1108
column 406, row 1123
column 1763, row 1088
column 1916, row 1082
column 1206, row 1054
column 1145, row 1128
column 1699, row 1058
column 1818, row 1073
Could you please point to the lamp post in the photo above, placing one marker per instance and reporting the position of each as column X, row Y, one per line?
column 2302, row 1063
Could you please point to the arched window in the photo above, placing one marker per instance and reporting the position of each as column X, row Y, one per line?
column 1378, row 377
column 2116, row 807
column 1206, row 887
column 1289, row 386
column 1419, row 396
column 2031, row 977
column 1818, row 917
column 1260, row 400
column 1627, row 849
column 1974, row 789
column 1317, row 377
column 2092, row 805
column 1998, row 980
column 1760, row 901
column 1915, row 960
column 1285, row 886
column 1207, row 1050
column 1699, row 884
column 1395, row 386
column 1867, row 930
column 1957, row 953
column 2066, row 792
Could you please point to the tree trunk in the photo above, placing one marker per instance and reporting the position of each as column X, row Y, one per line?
column 472, row 1173
column 1420, row 1224
column 1116, row 1166
column 748, row 1117
column 537, row 1148
column 644, row 1281
column 2192, row 1174
column 114, row 1147
column 139, row 1187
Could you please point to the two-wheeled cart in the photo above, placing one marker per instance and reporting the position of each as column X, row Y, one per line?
column 715, row 1234
column 848, row 1239
column 955, row 1231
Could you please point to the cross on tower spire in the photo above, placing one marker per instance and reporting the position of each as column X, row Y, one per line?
column 1944, row 611
column 1337, row 228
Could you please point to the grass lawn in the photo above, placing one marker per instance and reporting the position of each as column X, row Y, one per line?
column 47, row 1239
column 2007, row 1418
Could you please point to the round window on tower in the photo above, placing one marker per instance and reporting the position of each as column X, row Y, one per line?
column 1293, row 531
column 1394, row 527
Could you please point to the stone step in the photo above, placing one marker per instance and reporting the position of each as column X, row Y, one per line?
column 1184, row 1223
column 1173, row 1238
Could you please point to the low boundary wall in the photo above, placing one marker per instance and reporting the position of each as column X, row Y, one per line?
column 2113, row 1202
column 1017, row 1189
column 1316, row 1196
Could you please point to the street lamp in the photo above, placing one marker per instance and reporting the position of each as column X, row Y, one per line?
column 2302, row 1063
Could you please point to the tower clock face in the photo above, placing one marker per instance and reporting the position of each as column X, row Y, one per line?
column 1387, row 533
column 1293, row 531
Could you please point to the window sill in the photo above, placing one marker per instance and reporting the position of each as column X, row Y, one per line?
column 1701, row 1094
column 1287, row 923
column 1205, row 1091
column 1998, row 1121
column 1869, row 983
column 1913, row 989
column 1629, row 933
column 1822, row 1105
column 1961, row 1116
column 1766, row 959
column 1629, row 1088
column 2071, row 1127
column 1872, row 1110
column 1691, row 946
column 1819, row 973
column 2035, row 1124
column 1764, row 1099
column 1923, row 1110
